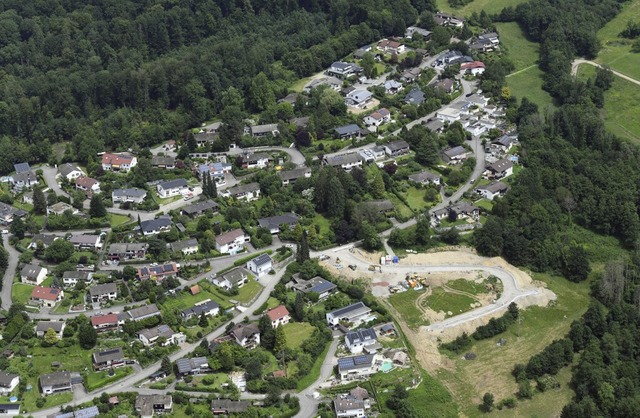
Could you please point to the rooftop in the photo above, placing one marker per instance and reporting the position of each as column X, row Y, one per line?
column 278, row 313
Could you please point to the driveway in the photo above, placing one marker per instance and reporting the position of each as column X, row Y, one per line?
column 49, row 173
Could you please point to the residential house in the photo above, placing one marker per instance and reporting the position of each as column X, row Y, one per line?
column 246, row 335
column 156, row 226
column 192, row 366
column 103, row 292
column 46, row 296
column 274, row 223
column 377, row 118
column 344, row 161
column 410, row 75
column 445, row 85
column 43, row 326
column 27, row 198
column 23, row 180
column 22, row 168
column 359, row 98
column 70, row 171
column 236, row 277
column 300, row 122
column 158, row 272
column 493, row 190
column 447, row 58
column 44, row 239
column 317, row 285
column 290, row 176
column 229, row 407
column 482, row 45
column 33, row 274
column 204, row 138
column 390, row 47
column 216, row 169
column 359, row 53
column 162, row 335
column 231, row 242
column 349, row 408
column 199, row 208
column 55, row 382
column 133, row 195
column 257, row 160
column 415, row 97
column 248, row 192
column 206, row 307
column 446, row 19
column 332, row 82
column 86, row 242
column 259, row 131
column 172, row 188
column 392, row 87
column 349, row 132
column 381, row 207
column 477, row 100
column 343, row 69
column 356, row 341
column 163, row 161
column 148, row 405
column 395, row 148
column 88, row 185
column 8, row 212
column 500, row 169
column 107, row 322
column 503, row 144
column 127, row 251
column 290, row 98
column 186, row 246
column 353, row 314
column 108, row 359
column 260, row 265
column 356, row 367
column 425, row 178
column 60, row 208
column 8, row 382
column 473, row 68
column 71, row 278
column 279, row 316
column 118, row 162
column 143, row 312
column 411, row 30
column 455, row 155
column 448, row 114
column 9, row 409
column 434, row 125
column 491, row 37
column 461, row 210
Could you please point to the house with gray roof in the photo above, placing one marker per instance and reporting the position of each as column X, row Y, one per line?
column 353, row 314
column 162, row 334
column 143, row 312
column 33, row 274
column 359, row 98
column 290, row 176
column 133, row 195
column 258, row 131
column 350, row 131
column 199, row 208
column 8, row 382
column 395, row 148
column 163, row 161
column 192, row 366
column 156, row 226
column 207, row 307
column 316, row 285
column 493, row 190
column 248, row 192
column 71, row 278
column 351, row 368
column 425, row 178
column 55, row 382
column 455, row 155
column 246, row 335
column 172, row 188
column 103, row 292
column 260, row 265
column 415, row 97
column 344, row 161
column 461, row 210
column 228, row 406
column 70, row 171
column 45, row 239
column 127, row 251
column 235, row 277
column 106, row 359
column 148, row 405
column 356, row 341
column 274, row 223
column 185, row 246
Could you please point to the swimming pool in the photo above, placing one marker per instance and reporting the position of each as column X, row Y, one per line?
column 387, row 366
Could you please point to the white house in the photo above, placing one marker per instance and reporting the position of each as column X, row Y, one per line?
column 236, row 277
column 32, row 274
column 246, row 335
column 493, row 190
column 133, row 195
column 448, row 114
column 55, row 382
column 207, row 307
column 70, row 171
column 342, row 69
column 186, row 247
column 353, row 314
column 356, row 341
column 153, row 336
column 391, row 47
column 172, row 188
column 500, row 169
column 425, row 178
column 71, row 278
column 349, row 408
column 8, row 382
column 257, row 160
column 148, row 405
column 377, row 118
column 248, row 192
column 344, row 161
column 356, row 367
column 103, row 292
column 156, row 226
column 88, row 184
column 279, row 316
column 231, row 242
column 260, row 265
column 473, row 68
column 46, row 296
column 118, row 162
column 359, row 98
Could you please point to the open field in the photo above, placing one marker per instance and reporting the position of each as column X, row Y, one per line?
column 441, row 300
column 522, row 52
column 528, row 83
column 489, row 6
column 405, row 304
column 297, row 333
column 616, row 51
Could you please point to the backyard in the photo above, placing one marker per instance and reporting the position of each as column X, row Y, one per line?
column 297, row 332
column 21, row 293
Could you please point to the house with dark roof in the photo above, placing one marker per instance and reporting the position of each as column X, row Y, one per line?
column 87, row 184
column 499, row 170
column 350, row 131
column 258, row 131
column 343, row 69
column 356, row 367
column 172, row 188
column 133, row 195
column 381, row 207
column 192, row 366
column 248, row 192
column 348, row 407
column 455, row 155
column 228, row 406
column 274, row 223
column 127, row 251
column 71, row 278
column 163, row 161
column 86, row 242
column 162, row 335
column 156, row 226
column 108, row 359
column 410, row 75
column 199, row 208
column 415, row 97
column 493, row 190
column 46, row 296
column 395, row 148
column 8, row 382
column 148, row 405
column 344, row 161
column 461, row 210
column 446, row 85
column 316, row 285
column 103, row 292
column 331, row 82
column 353, row 314
column 206, row 307
column 8, row 212
column 237, row 277
column 158, row 272
column 33, row 274
column 255, row 160
column 231, row 242
column 55, row 382
column 9, row 409
column 185, row 246
column 356, row 341
column 22, row 168
column 45, row 239
column 23, row 180
column 143, row 312
column 70, row 171
column 246, row 335
column 279, row 316
column 290, row 176
column 43, row 326
column 425, row 178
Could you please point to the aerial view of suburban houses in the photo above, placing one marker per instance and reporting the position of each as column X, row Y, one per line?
column 319, row 209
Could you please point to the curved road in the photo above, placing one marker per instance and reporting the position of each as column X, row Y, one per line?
column 576, row 63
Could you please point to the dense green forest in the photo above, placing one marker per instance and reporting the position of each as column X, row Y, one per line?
column 122, row 73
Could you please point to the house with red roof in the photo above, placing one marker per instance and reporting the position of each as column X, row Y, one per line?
column 279, row 316
column 118, row 162
column 473, row 68
column 87, row 184
column 46, row 296
column 107, row 322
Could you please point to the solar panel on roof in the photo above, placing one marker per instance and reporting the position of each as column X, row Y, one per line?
column 87, row 412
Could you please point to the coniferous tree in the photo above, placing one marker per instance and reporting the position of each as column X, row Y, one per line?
column 303, row 249
column 96, row 207
column 298, row 307
column 280, row 340
column 205, row 188
column 39, row 202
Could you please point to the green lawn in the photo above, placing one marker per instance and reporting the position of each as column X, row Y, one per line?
column 323, row 223
column 441, row 300
column 403, row 210
column 297, row 333
column 245, row 294
column 95, row 381
column 21, row 293
column 405, row 304
column 415, row 198
column 528, row 84
column 468, row 286
column 616, row 51
column 489, row 6
column 315, row 370
column 117, row 220
column 484, row 204
column 184, row 300
column 522, row 52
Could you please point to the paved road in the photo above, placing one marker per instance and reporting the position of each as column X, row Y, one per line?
column 576, row 63
column 49, row 173
column 296, row 156
column 309, row 405
column 130, row 381
column 7, row 280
